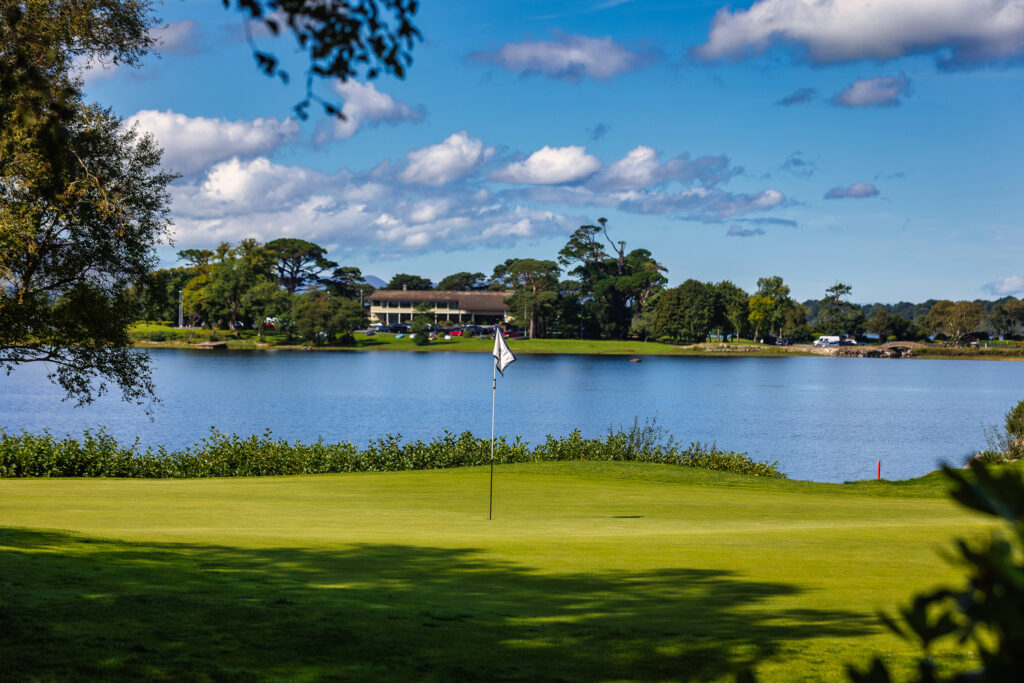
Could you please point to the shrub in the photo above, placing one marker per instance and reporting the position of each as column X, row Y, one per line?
column 419, row 329
column 99, row 454
column 1015, row 431
column 1007, row 443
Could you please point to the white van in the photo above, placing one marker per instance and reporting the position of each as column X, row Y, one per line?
column 828, row 340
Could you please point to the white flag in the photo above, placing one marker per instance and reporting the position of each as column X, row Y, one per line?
column 503, row 357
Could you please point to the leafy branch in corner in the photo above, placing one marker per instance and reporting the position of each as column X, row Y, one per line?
column 343, row 38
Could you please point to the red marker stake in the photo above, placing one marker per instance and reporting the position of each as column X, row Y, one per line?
column 879, row 470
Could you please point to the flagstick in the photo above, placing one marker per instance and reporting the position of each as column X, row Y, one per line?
column 494, row 390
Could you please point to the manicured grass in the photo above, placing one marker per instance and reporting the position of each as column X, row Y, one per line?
column 589, row 571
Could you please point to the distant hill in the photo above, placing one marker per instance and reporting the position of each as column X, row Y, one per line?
column 375, row 281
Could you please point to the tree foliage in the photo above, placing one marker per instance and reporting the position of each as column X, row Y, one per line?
column 347, row 282
column 236, row 271
column 1006, row 316
column 535, row 284
column 320, row 317
column 986, row 611
column 40, row 95
column 298, row 263
column 769, row 304
column 836, row 315
column 887, row 325
column 463, row 282
column 616, row 286
column 734, row 313
column 342, row 38
column 955, row 319
column 78, row 226
column 407, row 281
column 420, row 328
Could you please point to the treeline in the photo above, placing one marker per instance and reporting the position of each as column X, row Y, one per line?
column 609, row 293
column 287, row 285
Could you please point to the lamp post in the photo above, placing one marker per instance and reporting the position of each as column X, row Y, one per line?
column 181, row 309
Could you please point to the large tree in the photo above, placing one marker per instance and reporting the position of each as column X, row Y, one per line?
column 734, row 308
column 1005, row 316
column 886, row 325
column 298, row 263
column 78, row 226
column 320, row 317
column 955, row 319
column 83, row 202
column 768, row 305
column 348, row 282
column 836, row 315
column 535, row 284
column 617, row 285
column 237, row 270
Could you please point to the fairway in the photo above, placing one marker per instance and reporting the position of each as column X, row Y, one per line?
column 589, row 571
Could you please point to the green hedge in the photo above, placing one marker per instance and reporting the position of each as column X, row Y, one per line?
column 98, row 454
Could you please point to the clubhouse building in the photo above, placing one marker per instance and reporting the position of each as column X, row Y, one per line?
column 398, row 306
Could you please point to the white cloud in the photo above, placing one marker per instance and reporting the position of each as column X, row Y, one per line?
column 883, row 91
column 181, row 37
column 550, row 166
column 364, row 105
column 642, row 167
column 257, row 184
column 568, row 56
column 446, row 161
column 1006, row 285
column 855, row 191
column 960, row 32
column 192, row 144
column 392, row 210
column 639, row 168
column 260, row 199
column 698, row 203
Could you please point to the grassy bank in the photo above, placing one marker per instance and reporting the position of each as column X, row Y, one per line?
column 160, row 336
column 1006, row 352
column 589, row 571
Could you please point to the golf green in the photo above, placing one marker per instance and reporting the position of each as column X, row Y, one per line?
column 588, row 571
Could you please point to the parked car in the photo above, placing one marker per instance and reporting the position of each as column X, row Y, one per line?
column 785, row 341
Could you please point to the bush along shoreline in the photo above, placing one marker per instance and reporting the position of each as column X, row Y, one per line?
column 99, row 454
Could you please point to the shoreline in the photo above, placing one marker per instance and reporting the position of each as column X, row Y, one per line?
column 638, row 349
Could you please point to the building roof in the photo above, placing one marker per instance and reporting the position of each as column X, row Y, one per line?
column 466, row 300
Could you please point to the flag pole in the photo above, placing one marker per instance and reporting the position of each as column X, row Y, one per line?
column 494, row 391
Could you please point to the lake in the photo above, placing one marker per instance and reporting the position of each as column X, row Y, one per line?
column 825, row 419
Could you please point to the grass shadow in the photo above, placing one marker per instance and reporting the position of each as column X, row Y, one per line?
column 78, row 607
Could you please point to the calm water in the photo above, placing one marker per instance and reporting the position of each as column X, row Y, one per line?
column 826, row 419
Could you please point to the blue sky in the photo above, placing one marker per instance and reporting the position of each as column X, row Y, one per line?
column 875, row 143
